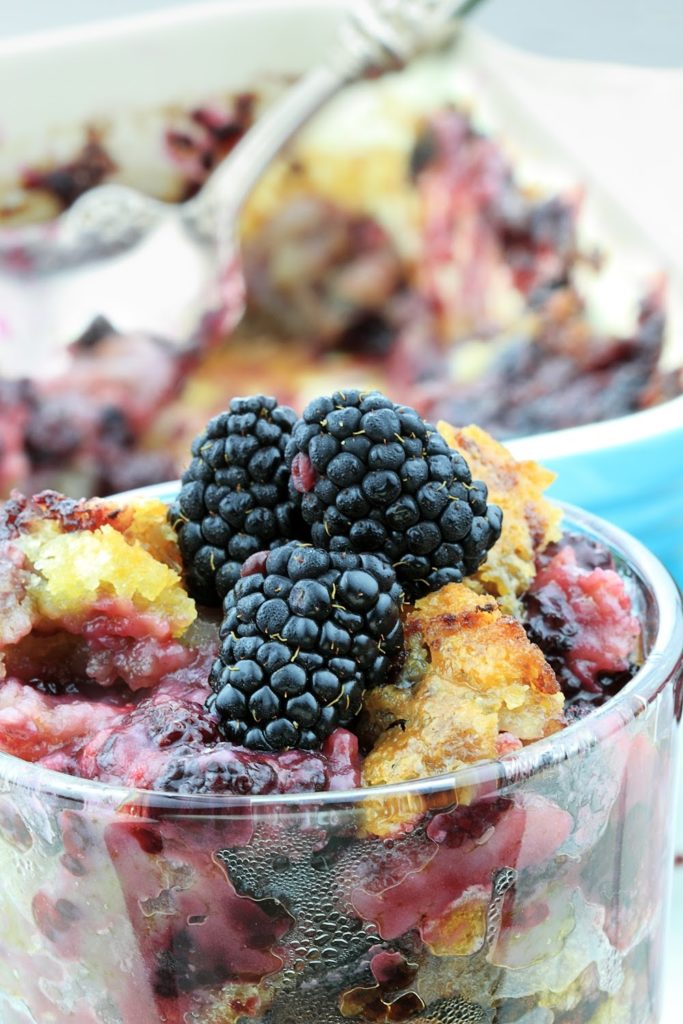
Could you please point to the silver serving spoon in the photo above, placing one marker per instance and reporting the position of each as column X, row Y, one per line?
column 144, row 264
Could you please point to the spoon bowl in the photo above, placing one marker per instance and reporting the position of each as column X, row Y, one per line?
column 101, row 257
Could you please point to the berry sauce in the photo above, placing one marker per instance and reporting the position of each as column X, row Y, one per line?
column 160, row 739
column 579, row 613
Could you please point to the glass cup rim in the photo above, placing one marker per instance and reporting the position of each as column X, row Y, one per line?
column 580, row 735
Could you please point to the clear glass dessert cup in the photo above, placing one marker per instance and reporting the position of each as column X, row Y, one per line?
column 528, row 890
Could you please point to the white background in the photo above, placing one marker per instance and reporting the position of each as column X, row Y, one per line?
column 635, row 31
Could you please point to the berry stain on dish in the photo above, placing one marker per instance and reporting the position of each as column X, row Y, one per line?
column 336, row 602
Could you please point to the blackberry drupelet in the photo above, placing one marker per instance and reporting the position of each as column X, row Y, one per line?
column 301, row 640
column 234, row 500
column 370, row 475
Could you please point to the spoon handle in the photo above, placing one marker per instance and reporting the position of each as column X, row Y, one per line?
column 223, row 196
column 374, row 37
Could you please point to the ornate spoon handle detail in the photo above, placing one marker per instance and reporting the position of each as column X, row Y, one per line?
column 376, row 36
column 103, row 255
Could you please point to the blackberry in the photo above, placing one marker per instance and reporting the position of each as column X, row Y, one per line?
column 370, row 475
column 233, row 501
column 301, row 641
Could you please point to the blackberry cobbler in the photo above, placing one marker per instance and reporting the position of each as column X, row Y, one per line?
column 331, row 605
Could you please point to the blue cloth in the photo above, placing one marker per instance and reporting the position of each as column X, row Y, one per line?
column 638, row 486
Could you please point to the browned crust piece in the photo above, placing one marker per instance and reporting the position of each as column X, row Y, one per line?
column 487, row 689
column 530, row 521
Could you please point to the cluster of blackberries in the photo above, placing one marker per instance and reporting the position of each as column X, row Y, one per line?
column 313, row 532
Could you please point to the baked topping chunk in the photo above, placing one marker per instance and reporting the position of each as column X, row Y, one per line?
column 531, row 521
column 484, row 690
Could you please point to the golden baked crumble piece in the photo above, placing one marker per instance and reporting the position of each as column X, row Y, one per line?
column 76, row 562
column 486, row 689
column 530, row 521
